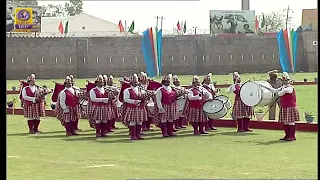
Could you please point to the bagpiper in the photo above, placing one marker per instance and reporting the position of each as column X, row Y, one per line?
column 102, row 111
column 109, row 83
column 33, row 106
column 167, row 108
column 67, row 107
column 134, row 113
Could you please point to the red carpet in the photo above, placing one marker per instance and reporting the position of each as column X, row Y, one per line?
column 270, row 125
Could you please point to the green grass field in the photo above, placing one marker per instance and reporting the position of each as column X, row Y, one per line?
column 221, row 154
column 306, row 95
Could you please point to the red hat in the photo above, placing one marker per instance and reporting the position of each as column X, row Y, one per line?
column 176, row 78
column 67, row 79
column 99, row 78
column 195, row 79
column 32, row 77
column 134, row 78
column 167, row 77
column 207, row 77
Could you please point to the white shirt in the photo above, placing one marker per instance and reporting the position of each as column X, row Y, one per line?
column 159, row 95
column 63, row 96
column 25, row 96
column 198, row 97
column 126, row 94
column 232, row 88
column 93, row 96
column 180, row 88
column 282, row 90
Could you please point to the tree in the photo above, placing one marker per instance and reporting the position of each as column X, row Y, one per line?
column 72, row 8
column 274, row 21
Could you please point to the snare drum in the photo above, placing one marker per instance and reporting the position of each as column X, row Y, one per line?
column 215, row 109
column 181, row 103
column 84, row 106
column 252, row 94
column 225, row 100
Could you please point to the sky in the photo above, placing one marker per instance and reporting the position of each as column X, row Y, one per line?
column 196, row 13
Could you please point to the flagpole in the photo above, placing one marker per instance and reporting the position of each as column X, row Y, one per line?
column 125, row 28
column 157, row 17
column 161, row 22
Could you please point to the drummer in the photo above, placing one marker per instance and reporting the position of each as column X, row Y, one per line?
column 194, row 108
column 206, row 83
column 179, row 123
column 144, row 82
column 289, row 113
column 240, row 111
column 276, row 83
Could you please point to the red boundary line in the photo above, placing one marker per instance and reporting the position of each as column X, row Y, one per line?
column 217, row 86
column 269, row 125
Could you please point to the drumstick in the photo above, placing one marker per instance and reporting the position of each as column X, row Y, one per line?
column 273, row 103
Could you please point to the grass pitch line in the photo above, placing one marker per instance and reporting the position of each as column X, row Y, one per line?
column 13, row 156
column 102, row 165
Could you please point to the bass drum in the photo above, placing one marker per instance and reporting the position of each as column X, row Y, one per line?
column 225, row 100
column 252, row 94
column 84, row 106
column 215, row 109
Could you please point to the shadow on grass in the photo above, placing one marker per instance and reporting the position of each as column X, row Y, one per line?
column 51, row 132
column 237, row 133
column 271, row 142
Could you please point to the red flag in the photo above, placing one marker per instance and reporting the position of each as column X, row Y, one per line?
column 120, row 26
column 178, row 26
column 257, row 23
column 60, row 28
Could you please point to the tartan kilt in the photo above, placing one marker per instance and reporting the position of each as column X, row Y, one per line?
column 34, row 110
column 288, row 115
column 186, row 108
column 241, row 110
column 73, row 114
column 196, row 115
column 115, row 110
column 102, row 113
column 89, row 110
column 150, row 111
column 130, row 114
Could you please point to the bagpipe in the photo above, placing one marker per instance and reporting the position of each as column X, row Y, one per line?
column 82, row 95
column 41, row 91
column 149, row 90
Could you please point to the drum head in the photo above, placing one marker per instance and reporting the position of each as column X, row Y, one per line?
column 222, row 98
column 250, row 93
column 213, row 106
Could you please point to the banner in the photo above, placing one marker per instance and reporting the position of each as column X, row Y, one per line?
column 159, row 41
column 232, row 21
column 283, row 55
column 23, row 19
column 148, row 54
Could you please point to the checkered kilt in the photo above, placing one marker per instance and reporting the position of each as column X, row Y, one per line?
column 102, row 113
column 73, row 114
column 115, row 110
column 171, row 113
column 288, row 115
column 195, row 114
column 130, row 114
column 240, row 110
column 150, row 111
column 35, row 110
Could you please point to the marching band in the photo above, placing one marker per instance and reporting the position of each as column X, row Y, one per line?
column 141, row 102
